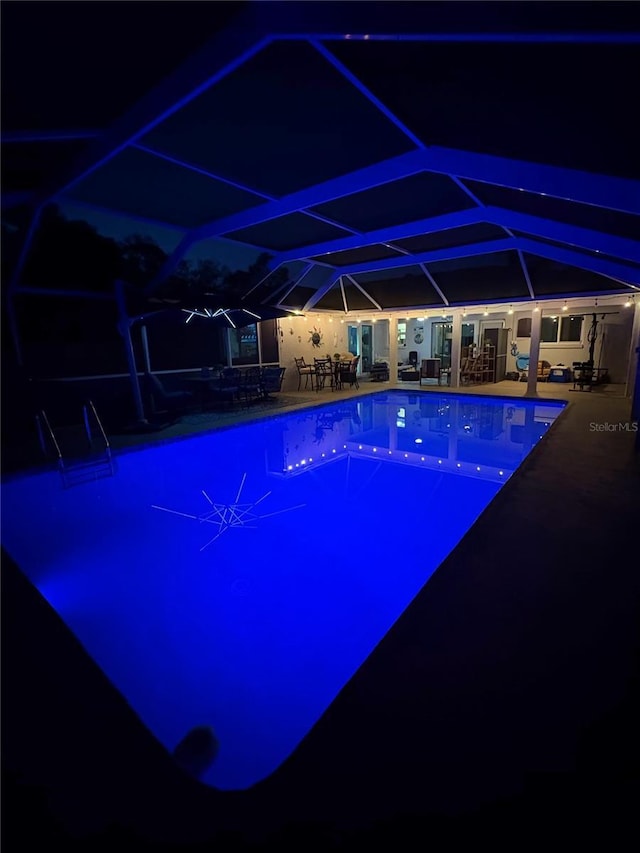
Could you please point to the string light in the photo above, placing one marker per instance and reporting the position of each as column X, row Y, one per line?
column 565, row 307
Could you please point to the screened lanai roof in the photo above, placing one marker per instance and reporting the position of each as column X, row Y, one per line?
column 385, row 155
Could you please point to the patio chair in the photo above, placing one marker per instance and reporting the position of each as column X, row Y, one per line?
column 324, row 369
column 224, row 387
column 272, row 378
column 161, row 400
column 348, row 372
column 306, row 370
column 250, row 384
column 430, row 369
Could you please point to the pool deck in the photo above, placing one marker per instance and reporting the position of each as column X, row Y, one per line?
column 502, row 706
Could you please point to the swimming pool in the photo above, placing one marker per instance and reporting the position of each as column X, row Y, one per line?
column 238, row 579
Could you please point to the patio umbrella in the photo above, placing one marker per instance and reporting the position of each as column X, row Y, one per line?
column 221, row 309
column 218, row 307
column 235, row 316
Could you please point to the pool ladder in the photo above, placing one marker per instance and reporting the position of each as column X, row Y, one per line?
column 87, row 452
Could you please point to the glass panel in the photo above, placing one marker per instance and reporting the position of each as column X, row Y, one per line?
column 571, row 328
column 354, row 349
column 244, row 345
column 549, row 330
column 441, row 334
column 367, row 347
column 524, row 327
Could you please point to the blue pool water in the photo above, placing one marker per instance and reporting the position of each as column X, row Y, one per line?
column 238, row 579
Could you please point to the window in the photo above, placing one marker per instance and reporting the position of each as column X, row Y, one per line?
column 402, row 333
column 556, row 329
column 524, row 327
column 244, row 345
column 467, row 334
column 441, row 335
column 571, row 328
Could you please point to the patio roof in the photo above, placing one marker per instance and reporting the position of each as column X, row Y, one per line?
column 388, row 156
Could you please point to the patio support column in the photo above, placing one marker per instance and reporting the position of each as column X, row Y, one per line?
column 227, row 347
column 456, row 341
column 534, row 353
column 145, row 347
column 632, row 386
column 124, row 327
column 393, row 349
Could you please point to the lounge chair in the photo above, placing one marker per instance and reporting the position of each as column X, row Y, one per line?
column 161, row 400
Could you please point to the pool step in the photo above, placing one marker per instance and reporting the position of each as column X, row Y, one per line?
column 82, row 451
column 76, row 472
